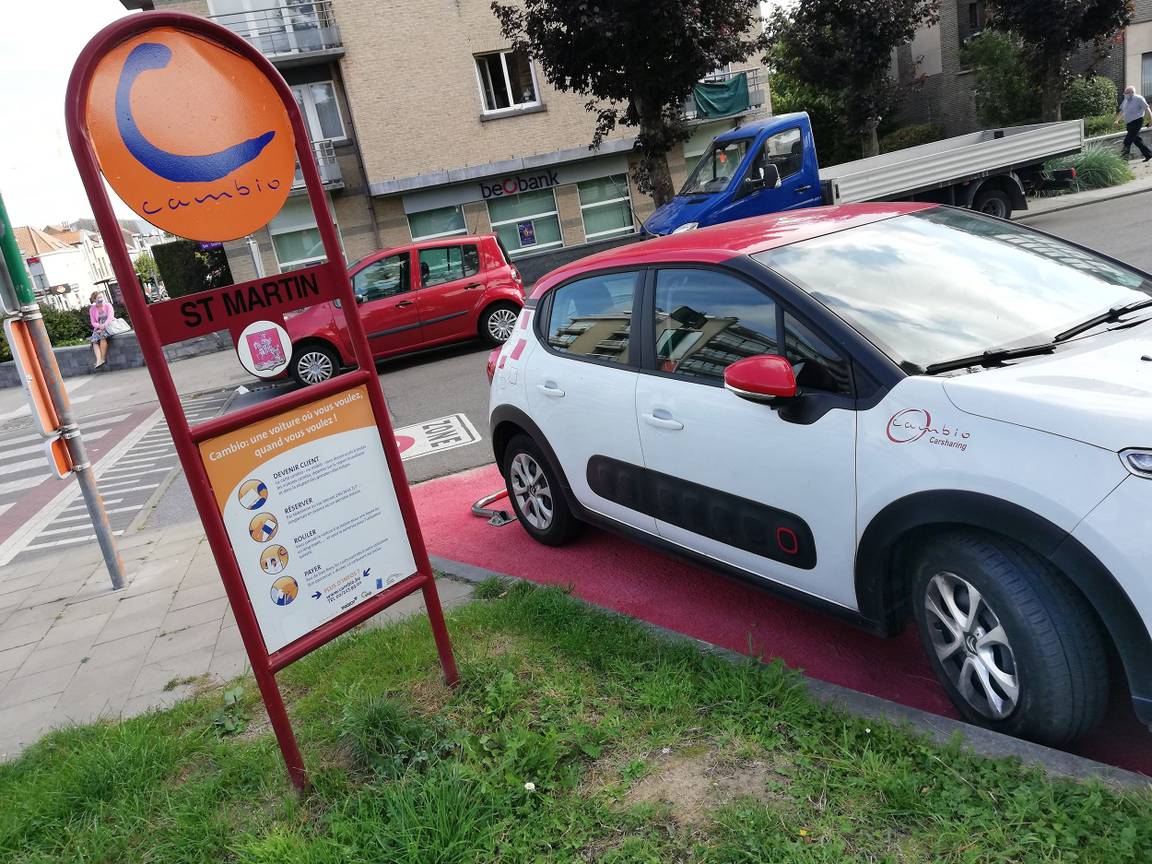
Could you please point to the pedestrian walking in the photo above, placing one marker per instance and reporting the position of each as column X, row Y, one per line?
column 1133, row 109
column 100, row 315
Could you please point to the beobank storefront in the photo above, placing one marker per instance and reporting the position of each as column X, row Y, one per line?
column 533, row 209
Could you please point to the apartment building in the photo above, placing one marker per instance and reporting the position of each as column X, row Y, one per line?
column 425, row 124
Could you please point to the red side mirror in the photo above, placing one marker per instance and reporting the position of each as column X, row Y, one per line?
column 761, row 378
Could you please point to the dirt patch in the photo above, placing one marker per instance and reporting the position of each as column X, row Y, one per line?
column 258, row 726
column 694, row 784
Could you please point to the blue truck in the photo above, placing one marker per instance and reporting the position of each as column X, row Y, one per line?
column 770, row 166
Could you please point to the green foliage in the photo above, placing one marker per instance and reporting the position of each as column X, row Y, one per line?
column 845, row 47
column 636, row 63
column 231, row 718
column 491, row 588
column 1088, row 97
column 1004, row 96
column 145, row 267
column 185, row 268
column 910, row 136
column 1097, row 167
column 833, row 141
column 1105, row 124
column 562, row 710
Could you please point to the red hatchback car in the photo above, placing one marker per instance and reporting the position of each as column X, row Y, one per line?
column 466, row 288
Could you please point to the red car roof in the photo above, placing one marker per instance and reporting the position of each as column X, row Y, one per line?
column 743, row 237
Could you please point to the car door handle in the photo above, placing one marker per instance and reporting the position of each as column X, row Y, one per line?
column 473, row 285
column 663, row 422
column 404, row 303
column 550, row 389
column 800, row 190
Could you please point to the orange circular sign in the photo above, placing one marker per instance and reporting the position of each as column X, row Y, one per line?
column 191, row 135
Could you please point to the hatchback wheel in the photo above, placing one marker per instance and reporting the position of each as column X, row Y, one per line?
column 1016, row 647
column 314, row 364
column 536, row 495
column 498, row 322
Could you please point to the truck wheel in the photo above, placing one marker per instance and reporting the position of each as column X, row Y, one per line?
column 994, row 202
column 1015, row 646
column 498, row 322
column 314, row 363
column 536, row 495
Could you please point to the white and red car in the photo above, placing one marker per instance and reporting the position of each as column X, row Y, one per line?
column 891, row 411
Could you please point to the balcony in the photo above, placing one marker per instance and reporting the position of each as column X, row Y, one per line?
column 288, row 32
column 726, row 94
column 326, row 164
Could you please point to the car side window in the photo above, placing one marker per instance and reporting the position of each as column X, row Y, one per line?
column 447, row 263
column 384, row 278
column 818, row 366
column 593, row 317
column 785, row 150
column 706, row 320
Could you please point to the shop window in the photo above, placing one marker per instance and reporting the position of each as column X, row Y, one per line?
column 441, row 222
column 606, row 207
column 320, row 109
column 507, row 81
column 526, row 223
column 295, row 237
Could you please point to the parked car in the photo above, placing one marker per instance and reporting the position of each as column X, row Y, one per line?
column 466, row 288
column 886, row 410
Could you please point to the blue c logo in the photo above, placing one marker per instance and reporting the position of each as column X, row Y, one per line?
column 173, row 166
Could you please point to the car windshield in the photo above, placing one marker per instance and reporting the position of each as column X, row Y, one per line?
column 716, row 167
column 942, row 284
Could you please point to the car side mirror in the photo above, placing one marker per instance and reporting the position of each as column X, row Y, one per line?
column 770, row 180
column 763, row 378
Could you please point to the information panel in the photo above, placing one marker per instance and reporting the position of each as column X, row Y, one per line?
column 311, row 512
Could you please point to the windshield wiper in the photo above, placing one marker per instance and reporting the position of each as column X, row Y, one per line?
column 1111, row 316
column 991, row 357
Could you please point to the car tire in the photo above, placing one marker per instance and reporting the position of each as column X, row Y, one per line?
column 1029, row 659
column 497, row 323
column 993, row 202
column 535, row 493
column 314, row 363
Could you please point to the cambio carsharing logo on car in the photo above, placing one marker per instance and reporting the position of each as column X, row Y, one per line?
column 909, row 425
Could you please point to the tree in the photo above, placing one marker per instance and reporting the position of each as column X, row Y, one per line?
column 637, row 62
column 1004, row 96
column 1051, row 30
column 145, row 267
column 847, row 46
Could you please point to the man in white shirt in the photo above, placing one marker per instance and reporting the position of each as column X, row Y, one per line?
column 1133, row 109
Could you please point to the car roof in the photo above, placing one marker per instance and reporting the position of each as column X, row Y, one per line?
column 450, row 240
column 732, row 239
column 749, row 130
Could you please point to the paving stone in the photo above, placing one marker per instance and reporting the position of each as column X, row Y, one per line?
column 33, row 565
column 12, row 603
column 229, row 665
column 199, row 594
column 229, row 641
column 95, row 692
column 71, row 631
column 154, row 701
column 14, row 658
column 13, row 637
column 12, row 584
column 155, row 603
column 202, row 576
column 23, row 723
column 129, row 626
column 154, row 578
column 49, row 594
column 89, row 608
column 64, row 654
column 188, row 640
column 156, row 675
column 181, row 619
column 28, row 688
column 125, row 649
column 44, row 612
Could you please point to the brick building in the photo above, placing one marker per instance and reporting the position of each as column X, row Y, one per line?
column 425, row 124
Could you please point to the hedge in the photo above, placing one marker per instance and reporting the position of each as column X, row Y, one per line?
column 910, row 136
column 68, row 327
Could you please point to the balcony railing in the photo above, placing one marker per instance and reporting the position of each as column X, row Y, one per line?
column 326, row 163
column 289, row 30
column 726, row 94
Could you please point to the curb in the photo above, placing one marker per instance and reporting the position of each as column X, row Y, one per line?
column 1072, row 205
column 976, row 739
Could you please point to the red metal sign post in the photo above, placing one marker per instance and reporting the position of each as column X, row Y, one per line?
column 252, row 472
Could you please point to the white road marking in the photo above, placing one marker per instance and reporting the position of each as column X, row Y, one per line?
column 118, row 476
column 71, row 385
column 85, row 425
column 4, row 507
column 22, row 483
column 432, row 436
column 39, row 448
column 66, row 541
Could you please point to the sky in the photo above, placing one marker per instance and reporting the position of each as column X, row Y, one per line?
column 39, row 42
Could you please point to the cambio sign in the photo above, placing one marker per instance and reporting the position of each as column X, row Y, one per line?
column 516, row 185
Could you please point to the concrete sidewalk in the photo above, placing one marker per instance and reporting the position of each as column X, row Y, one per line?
column 1055, row 203
column 72, row 650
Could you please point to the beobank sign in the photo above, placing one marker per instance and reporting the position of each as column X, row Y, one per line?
column 516, row 185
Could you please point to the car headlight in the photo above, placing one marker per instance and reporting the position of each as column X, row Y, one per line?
column 687, row 226
column 1139, row 462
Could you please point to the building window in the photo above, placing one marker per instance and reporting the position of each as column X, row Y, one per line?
column 527, row 222
column 295, row 237
column 441, row 222
column 606, row 207
column 321, row 110
column 507, row 81
column 1146, row 74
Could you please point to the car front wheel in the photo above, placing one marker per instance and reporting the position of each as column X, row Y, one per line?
column 1016, row 647
column 535, row 494
column 314, row 364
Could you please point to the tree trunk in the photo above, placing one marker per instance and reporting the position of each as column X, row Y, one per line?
column 1051, row 87
column 660, row 177
column 652, row 144
column 869, row 138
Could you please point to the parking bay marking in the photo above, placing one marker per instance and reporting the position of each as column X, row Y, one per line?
column 432, row 436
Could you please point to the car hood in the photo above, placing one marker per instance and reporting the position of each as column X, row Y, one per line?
column 680, row 210
column 1098, row 392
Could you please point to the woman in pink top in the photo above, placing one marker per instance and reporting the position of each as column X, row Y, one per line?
column 100, row 314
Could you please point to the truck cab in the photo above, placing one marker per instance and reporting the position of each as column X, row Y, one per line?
column 764, row 167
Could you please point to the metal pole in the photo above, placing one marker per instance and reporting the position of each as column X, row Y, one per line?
column 46, row 357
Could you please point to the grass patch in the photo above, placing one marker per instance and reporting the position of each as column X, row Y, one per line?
column 574, row 736
column 1096, row 166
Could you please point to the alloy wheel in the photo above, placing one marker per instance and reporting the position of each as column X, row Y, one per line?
column 501, row 323
column 532, row 492
column 972, row 646
column 314, row 367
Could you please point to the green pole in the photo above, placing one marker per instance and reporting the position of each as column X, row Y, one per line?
column 15, row 261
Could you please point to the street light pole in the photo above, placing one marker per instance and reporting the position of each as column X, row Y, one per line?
column 13, row 262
